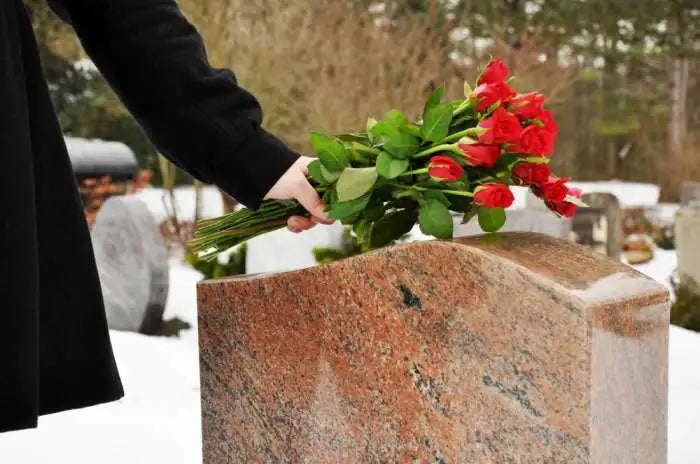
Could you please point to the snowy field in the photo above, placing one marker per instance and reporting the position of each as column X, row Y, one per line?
column 159, row 419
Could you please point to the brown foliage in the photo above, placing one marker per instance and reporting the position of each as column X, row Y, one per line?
column 322, row 65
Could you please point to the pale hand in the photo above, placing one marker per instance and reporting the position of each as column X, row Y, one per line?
column 294, row 185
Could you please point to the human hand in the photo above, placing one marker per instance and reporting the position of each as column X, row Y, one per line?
column 294, row 185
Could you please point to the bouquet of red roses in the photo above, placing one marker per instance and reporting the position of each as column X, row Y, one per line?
column 461, row 157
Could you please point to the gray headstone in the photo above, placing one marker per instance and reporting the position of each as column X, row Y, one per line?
column 690, row 193
column 132, row 262
column 600, row 225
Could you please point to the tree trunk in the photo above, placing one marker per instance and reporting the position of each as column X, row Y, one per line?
column 674, row 168
column 677, row 121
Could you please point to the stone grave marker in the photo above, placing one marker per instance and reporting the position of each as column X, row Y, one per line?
column 600, row 225
column 688, row 247
column 132, row 262
column 509, row 348
column 690, row 193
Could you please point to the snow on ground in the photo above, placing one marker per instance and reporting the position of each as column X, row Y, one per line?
column 158, row 421
column 661, row 267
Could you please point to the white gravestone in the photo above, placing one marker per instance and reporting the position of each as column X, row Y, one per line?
column 283, row 250
column 132, row 262
column 688, row 247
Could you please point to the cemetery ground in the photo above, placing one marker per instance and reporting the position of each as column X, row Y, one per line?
column 158, row 421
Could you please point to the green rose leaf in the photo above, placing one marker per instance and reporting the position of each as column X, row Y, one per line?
column 491, row 219
column 389, row 167
column 371, row 122
column 435, row 219
column 350, row 220
column 436, row 123
column 383, row 129
column 412, row 129
column 434, row 99
column 396, row 118
column 401, row 145
column 333, row 154
column 355, row 182
column 439, row 196
column 391, row 227
column 315, row 172
column 373, row 211
column 345, row 209
column 330, row 176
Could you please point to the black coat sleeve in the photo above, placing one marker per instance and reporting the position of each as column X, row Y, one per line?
column 197, row 116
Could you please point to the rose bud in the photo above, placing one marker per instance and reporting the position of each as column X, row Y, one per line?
column 494, row 196
column 527, row 106
column 494, row 72
column 554, row 190
column 480, row 154
column 502, row 127
column 532, row 173
column 445, row 169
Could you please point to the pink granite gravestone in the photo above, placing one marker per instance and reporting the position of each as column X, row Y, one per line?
column 516, row 348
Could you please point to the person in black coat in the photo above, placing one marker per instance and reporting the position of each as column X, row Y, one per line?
column 55, row 352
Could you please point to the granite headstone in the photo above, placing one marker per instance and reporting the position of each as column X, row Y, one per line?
column 515, row 348
column 132, row 262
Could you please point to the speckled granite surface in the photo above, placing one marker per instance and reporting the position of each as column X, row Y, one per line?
column 508, row 349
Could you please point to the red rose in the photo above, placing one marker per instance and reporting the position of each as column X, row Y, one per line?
column 488, row 94
column 502, row 127
column 527, row 106
column 548, row 121
column 554, row 190
column 565, row 208
column 494, row 196
column 481, row 154
column 534, row 141
column 495, row 71
column 532, row 173
column 444, row 168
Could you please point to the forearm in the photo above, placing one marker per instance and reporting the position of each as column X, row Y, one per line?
column 196, row 115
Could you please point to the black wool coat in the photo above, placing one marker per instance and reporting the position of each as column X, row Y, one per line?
column 55, row 352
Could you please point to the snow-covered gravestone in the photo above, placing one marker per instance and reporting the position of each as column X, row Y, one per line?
column 505, row 348
column 132, row 262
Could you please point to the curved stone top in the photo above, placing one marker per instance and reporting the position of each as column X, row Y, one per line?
column 564, row 266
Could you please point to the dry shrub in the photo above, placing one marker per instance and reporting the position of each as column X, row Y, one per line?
column 322, row 64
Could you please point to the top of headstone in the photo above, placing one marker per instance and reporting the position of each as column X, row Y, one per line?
column 555, row 264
